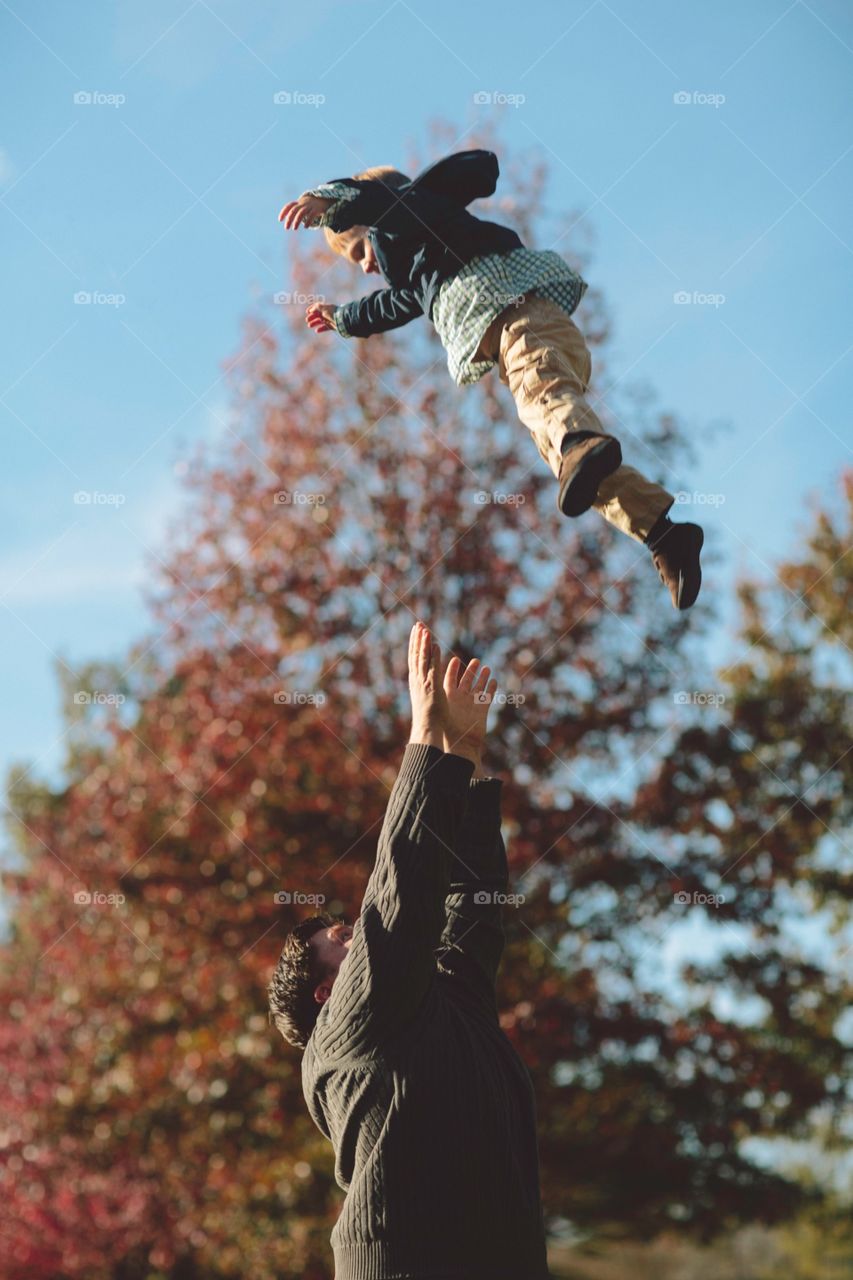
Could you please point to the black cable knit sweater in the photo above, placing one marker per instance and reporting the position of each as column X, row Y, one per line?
column 430, row 1110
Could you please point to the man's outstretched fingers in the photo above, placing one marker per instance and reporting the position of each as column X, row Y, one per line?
column 451, row 674
column 467, row 680
column 440, row 669
column 416, row 647
column 423, row 653
column 425, row 650
column 482, row 680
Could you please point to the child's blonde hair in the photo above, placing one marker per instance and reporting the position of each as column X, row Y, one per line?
column 338, row 240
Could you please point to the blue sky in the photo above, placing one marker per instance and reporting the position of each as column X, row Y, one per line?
column 158, row 196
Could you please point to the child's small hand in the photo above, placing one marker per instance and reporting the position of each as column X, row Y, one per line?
column 319, row 316
column 302, row 212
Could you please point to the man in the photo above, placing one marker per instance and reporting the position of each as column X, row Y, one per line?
column 406, row 1070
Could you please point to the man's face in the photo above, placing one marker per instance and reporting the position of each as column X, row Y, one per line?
column 331, row 946
column 359, row 251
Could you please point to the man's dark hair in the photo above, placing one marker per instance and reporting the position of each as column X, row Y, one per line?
column 291, row 991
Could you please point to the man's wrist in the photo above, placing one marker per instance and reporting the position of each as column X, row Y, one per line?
column 427, row 734
column 470, row 750
column 466, row 745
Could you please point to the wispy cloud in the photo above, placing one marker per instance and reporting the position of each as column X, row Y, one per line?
column 80, row 576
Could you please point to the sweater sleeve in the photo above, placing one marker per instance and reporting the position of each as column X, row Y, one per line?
column 472, row 942
column 338, row 192
column 391, row 961
column 410, row 210
column 377, row 313
column 463, row 176
column 415, row 209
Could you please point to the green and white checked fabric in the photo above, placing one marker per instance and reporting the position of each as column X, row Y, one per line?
column 336, row 191
column 469, row 301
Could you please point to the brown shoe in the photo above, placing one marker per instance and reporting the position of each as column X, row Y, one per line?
column 582, row 470
column 675, row 553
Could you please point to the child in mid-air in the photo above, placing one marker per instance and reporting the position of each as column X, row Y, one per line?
column 493, row 301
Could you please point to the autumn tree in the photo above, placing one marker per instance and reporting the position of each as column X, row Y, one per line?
column 155, row 1125
column 754, row 808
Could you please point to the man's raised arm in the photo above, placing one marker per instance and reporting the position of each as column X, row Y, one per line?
column 390, row 964
column 472, row 942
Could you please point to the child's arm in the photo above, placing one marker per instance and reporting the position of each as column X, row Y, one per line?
column 463, row 177
column 377, row 313
column 411, row 210
column 316, row 207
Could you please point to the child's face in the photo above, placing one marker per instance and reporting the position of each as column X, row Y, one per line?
column 359, row 251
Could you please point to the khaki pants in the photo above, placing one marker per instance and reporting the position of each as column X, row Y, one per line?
column 545, row 362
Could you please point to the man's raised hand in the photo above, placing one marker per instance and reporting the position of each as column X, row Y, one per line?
column 425, row 688
column 468, row 696
column 450, row 706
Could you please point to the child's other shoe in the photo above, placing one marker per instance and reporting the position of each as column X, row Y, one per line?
column 586, row 462
column 675, row 552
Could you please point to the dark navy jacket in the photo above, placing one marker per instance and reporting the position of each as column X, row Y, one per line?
column 422, row 233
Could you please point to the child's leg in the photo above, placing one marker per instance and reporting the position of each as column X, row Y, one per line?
column 545, row 361
column 632, row 503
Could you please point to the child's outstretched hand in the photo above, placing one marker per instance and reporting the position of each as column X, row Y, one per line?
column 303, row 211
column 319, row 316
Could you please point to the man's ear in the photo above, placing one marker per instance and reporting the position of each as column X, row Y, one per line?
column 322, row 991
